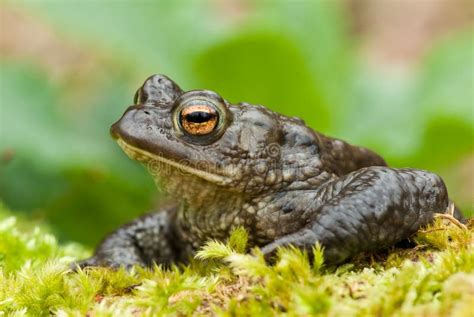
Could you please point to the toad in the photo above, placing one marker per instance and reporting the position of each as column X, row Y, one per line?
column 226, row 165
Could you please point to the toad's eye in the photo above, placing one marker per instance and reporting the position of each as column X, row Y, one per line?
column 199, row 119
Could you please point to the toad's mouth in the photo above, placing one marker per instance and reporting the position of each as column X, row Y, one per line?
column 154, row 161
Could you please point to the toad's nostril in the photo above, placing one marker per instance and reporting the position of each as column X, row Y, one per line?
column 146, row 112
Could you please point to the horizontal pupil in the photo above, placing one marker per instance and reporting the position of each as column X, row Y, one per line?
column 199, row 116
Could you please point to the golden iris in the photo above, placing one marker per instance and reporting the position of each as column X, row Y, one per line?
column 199, row 119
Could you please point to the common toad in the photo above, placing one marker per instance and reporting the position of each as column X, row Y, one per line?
column 225, row 165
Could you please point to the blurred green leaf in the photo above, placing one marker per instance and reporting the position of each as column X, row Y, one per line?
column 148, row 36
column 292, row 57
column 437, row 148
column 61, row 167
column 397, row 113
column 31, row 124
column 263, row 68
column 320, row 31
column 381, row 114
column 446, row 85
column 445, row 96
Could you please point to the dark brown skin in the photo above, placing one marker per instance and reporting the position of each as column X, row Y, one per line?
column 226, row 165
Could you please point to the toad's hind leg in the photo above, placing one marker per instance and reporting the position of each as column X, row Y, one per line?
column 368, row 209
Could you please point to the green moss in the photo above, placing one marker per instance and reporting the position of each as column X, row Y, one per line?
column 435, row 278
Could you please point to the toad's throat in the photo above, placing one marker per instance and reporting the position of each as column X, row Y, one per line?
column 153, row 163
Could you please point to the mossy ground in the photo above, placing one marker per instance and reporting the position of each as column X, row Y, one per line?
column 433, row 278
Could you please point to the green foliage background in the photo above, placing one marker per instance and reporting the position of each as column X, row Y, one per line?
column 299, row 58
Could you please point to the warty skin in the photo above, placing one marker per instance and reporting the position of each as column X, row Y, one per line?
column 244, row 165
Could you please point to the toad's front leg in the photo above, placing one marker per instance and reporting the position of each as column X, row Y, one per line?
column 144, row 241
column 368, row 209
